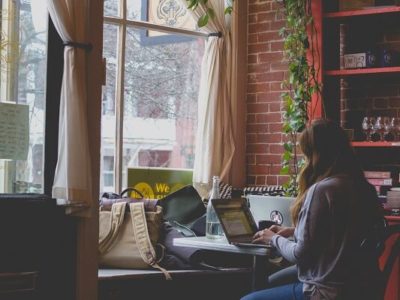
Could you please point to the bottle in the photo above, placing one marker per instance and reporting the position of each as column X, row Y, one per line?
column 213, row 226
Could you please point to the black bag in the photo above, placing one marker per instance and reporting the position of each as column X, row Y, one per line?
column 185, row 211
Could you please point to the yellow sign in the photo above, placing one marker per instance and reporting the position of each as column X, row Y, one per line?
column 156, row 183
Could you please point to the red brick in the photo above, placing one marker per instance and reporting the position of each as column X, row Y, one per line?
column 269, row 36
column 275, row 127
column 251, row 180
column 276, row 149
column 277, row 46
column 274, row 107
column 257, row 128
column 282, row 179
column 260, row 28
column 268, row 97
column 257, row 107
column 277, row 25
column 254, row 169
column 272, row 180
column 251, row 159
column 269, row 138
column 274, row 117
column 251, row 137
column 251, row 118
column 279, row 66
column 258, row 68
column 251, row 98
column 260, row 180
column 270, row 57
column 266, row 16
column 252, row 18
column 252, row 59
column 277, row 86
column 258, row 48
column 255, row 8
column 252, row 38
column 268, row 159
column 257, row 148
column 257, row 87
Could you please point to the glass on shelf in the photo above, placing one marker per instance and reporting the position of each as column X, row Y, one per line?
column 378, row 128
column 367, row 127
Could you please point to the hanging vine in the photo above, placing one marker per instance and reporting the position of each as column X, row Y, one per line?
column 209, row 13
column 300, row 85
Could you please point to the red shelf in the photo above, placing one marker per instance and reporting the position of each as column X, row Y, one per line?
column 362, row 12
column 375, row 144
column 365, row 71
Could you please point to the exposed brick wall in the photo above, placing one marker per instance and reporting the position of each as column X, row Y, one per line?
column 372, row 96
column 266, row 71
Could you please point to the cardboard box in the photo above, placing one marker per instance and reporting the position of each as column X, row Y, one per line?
column 354, row 60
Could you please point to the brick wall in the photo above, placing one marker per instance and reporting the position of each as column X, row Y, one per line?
column 266, row 71
column 369, row 95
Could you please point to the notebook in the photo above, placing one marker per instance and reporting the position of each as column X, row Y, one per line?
column 237, row 221
column 271, row 208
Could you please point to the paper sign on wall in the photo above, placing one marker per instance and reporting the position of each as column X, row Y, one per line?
column 14, row 131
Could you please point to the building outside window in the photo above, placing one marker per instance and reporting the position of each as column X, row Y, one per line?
column 23, row 63
column 153, row 52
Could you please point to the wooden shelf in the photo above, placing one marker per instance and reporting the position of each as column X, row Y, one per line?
column 364, row 71
column 362, row 12
column 375, row 144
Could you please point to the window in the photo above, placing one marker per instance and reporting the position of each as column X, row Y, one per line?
column 23, row 64
column 149, row 119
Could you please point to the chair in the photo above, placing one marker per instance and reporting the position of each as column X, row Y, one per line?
column 394, row 254
column 377, row 242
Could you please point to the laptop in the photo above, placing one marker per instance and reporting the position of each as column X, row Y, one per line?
column 271, row 208
column 237, row 221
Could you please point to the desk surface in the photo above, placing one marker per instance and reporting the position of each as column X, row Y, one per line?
column 219, row 245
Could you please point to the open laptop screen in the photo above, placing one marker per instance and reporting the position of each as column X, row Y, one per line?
column 236, row 219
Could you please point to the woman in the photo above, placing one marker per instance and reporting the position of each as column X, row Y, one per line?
column 335, row 210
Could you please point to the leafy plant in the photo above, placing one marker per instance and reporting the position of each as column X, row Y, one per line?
column 210, row 13
column 300, row 85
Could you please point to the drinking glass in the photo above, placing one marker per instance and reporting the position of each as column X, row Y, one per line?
column 396, row 128
column 378, row 128
column 367, row 127
column 387, row 128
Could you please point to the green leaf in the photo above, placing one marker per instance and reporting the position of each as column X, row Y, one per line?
column 228, row 10
column 203, row 20
column 211, row 13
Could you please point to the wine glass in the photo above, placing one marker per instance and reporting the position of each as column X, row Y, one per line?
column 387, row 128
column 396, row 128
column 366, row 127
column 378, row 128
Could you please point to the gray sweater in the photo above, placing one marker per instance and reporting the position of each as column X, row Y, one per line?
column 336, row 215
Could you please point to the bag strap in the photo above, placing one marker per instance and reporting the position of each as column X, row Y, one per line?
column 146, row 249
column 117, row 217
column 130, row 189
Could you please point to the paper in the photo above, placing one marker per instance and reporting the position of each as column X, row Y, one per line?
column 14, row 131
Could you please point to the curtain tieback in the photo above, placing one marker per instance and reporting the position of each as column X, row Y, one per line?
column 217, row 34
column 85, row 46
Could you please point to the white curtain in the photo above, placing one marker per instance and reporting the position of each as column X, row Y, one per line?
column 214, row 139
column 72, row 181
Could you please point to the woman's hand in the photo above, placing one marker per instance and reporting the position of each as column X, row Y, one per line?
column 263, row 236
column 282, row 231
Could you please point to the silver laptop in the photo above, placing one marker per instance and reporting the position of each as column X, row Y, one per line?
column 271, row 208
column 237, row 222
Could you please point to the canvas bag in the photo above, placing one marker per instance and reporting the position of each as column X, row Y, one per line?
column 127, row 238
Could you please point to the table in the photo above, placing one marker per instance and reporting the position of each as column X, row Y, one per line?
column 223, row 245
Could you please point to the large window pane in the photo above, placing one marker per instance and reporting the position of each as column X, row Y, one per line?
column 23, row 62
column 160, row 96
column 110, row 42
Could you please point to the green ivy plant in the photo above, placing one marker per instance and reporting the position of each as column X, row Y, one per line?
column 210, row 13
column 300, row 85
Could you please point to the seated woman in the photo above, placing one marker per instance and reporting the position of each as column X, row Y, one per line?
column 335, row 210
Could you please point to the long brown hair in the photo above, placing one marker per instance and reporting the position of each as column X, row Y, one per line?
column 327, row 152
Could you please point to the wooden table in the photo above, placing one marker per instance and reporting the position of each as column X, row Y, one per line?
column 258, row 253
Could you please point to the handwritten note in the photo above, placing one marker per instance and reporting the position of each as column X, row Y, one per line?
column 14, row 131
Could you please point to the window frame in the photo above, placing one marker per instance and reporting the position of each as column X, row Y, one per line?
column 54, row 73
column 123, row 23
